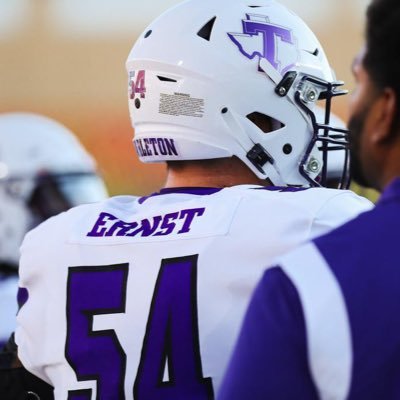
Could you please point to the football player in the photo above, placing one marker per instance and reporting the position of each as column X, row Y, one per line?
column 142, row 297
column 44, row 170
column 324, row 323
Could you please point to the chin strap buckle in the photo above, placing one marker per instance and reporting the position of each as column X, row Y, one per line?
column 259, row 157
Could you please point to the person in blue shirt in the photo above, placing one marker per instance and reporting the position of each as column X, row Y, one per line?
column 325, row 322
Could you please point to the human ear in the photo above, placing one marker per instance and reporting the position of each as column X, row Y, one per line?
column 383, row 115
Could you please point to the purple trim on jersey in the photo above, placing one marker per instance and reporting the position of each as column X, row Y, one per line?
column 22, row 297
column 199, row 191
column 270, row 357
column 286, row 189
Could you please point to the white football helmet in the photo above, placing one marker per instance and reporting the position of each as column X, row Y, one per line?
column 43, row 170
column 208, row 74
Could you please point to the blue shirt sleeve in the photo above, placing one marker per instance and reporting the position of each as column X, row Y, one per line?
column 270, row 358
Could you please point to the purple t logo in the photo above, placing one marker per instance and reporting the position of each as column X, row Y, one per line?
column 259, row 38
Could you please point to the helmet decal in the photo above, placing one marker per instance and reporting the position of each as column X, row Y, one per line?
column 181, row 104
column 155, row 146
column 259, row 38
column 137, row 84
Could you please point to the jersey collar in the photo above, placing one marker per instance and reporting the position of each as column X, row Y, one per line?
column 199, row 191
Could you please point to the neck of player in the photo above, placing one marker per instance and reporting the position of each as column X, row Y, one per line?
column 218, row 173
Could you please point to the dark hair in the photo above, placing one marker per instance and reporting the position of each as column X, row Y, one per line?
column 382, row 57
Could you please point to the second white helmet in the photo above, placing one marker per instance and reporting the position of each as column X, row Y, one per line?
column 44, row 170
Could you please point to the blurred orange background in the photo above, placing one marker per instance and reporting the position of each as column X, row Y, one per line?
column 66, row 59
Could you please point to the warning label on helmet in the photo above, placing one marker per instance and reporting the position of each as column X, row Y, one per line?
column 180, row 104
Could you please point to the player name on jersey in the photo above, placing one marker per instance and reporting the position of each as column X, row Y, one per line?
column 178, row 222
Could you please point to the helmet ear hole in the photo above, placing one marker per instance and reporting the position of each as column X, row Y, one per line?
column 206, row 30
column 265, row 122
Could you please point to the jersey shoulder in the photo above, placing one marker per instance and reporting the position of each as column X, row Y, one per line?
column 313, row 211
column 308, row 200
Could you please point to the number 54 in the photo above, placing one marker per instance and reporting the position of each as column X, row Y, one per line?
column 171, row 337
column 138, row 85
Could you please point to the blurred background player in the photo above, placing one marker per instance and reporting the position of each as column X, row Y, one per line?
column 148, row 293
column 44, row 170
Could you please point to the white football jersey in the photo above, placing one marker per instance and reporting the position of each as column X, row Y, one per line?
column 142, row 298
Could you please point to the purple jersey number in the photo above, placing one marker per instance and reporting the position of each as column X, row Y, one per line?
column 170, row 363
column 172, row 338
column 95, row 355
